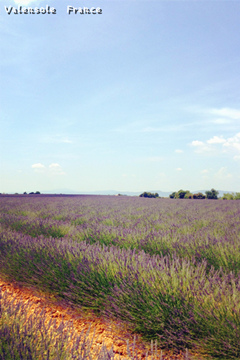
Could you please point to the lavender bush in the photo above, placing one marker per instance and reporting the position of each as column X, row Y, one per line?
column 29, row 334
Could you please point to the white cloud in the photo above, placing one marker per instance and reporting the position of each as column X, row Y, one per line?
column 223, row 174
column 233, row 142
column 197, row 143
column 56, row 169
column 217, row 145
column 221, row 121
column 200, row 146
column 205, row 171
column 53, row 169
column 237, row 157
column 54, row 166
column 178, row 151
column 38, row 166
column 216, row 140
column 229, row 113
column 179, row 169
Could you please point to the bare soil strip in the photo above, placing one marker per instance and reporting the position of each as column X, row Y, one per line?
column 108, row 332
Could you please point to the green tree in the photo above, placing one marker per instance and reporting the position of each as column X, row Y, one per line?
column 199, row 196
column 232, row 196
column 212, row 194
column 181, row 194
column 237, row 196
column 228, row 196
column 149, row 195
column 188, row 195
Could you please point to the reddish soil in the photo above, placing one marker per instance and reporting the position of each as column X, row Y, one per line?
column 109, row 332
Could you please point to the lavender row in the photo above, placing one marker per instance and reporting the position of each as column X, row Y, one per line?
column 171, row 299
column 30, row 335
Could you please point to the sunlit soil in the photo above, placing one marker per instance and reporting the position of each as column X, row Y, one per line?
column 103, row 332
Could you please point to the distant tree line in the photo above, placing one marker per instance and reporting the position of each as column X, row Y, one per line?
column 25, row 193
column 186, row 194
column 149, row 195
column 232, row 196
column 32, row 193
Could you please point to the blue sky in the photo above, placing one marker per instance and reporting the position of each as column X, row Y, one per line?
column 145, row 96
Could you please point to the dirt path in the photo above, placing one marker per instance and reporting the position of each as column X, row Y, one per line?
column 111, row 333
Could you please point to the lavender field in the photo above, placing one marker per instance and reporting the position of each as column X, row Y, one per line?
column 169, row 269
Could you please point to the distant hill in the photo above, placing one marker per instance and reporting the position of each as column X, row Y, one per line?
column 96, row 192
column 128, row 193
column 103, row 192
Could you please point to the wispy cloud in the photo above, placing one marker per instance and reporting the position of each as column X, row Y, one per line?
column 219, row 144
column 216, row 140
column 178, row 151
column 221, row 121
column 218, row 116
column 179, row 169
column 167, row 128
column 201, row 147
column 223, row 116
column 140, row 127
column 67, row 141
column 39, row 168
column 233, row 142
column 223, row 174
column 227, row 113
column 205, row 174
column 197, row 143
column 56, row 169
column 56, row 139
